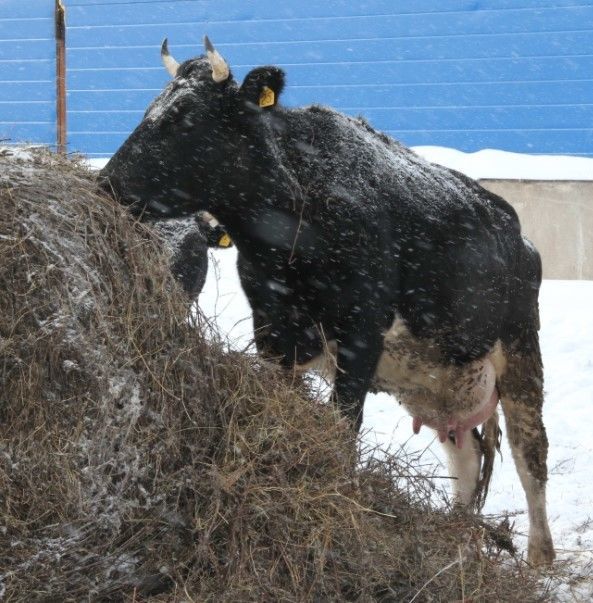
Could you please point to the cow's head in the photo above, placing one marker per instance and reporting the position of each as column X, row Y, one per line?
column 194, row 143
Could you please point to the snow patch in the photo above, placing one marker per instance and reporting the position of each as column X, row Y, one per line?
column 491, row 164
column 504, row 165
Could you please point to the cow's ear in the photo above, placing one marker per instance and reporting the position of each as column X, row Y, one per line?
column 262, row 86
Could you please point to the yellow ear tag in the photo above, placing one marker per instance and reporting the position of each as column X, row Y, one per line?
column 225, row 241
column 267, row 98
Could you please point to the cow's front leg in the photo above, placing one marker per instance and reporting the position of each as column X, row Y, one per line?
column 521, row 389
column 359, row 351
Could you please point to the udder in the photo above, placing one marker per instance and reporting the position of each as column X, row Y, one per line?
column 457, row 424
column 448, row 398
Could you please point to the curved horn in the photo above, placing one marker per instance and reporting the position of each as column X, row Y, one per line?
column 171, row 65
column 220, row 69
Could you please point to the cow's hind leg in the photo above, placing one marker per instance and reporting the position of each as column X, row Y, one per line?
column 464, row 467
column 521, row 390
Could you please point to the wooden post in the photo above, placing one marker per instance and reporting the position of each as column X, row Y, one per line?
column 60, row 19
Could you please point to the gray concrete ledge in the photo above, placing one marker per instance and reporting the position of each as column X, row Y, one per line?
column 557, row 216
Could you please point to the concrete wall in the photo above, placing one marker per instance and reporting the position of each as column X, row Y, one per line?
column 558, row 218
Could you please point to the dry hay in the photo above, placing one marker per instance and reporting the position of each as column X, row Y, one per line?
column 141, row 460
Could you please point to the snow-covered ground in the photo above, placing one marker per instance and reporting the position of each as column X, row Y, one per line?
column 491, row 163
column 567, row 346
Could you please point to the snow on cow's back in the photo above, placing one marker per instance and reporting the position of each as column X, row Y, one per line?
column 335, row 154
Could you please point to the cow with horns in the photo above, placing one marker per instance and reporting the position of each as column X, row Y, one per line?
column 405, row 276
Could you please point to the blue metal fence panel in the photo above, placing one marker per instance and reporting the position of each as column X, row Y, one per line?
column 27, row 72
column 469, row 74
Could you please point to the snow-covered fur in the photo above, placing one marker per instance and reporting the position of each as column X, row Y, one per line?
column 189, row 252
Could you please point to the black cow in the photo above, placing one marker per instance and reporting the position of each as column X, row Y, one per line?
column 409, row 276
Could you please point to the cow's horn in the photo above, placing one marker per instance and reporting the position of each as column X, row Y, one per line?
column 220, row 70
column 171, row 65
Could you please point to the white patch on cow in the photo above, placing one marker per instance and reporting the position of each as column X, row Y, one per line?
column 413, row 371
column 325, row 364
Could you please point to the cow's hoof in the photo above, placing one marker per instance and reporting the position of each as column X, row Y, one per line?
column 541, row 554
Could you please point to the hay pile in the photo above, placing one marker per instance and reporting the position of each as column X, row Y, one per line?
column 140, row 460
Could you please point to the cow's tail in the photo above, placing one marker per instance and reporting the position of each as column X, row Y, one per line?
column 523, row 318
column 489, row 439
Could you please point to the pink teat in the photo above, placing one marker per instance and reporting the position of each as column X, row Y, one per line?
column 459, row 427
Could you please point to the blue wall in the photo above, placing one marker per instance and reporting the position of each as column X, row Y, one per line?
column 468, row 74
column 27, row 71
